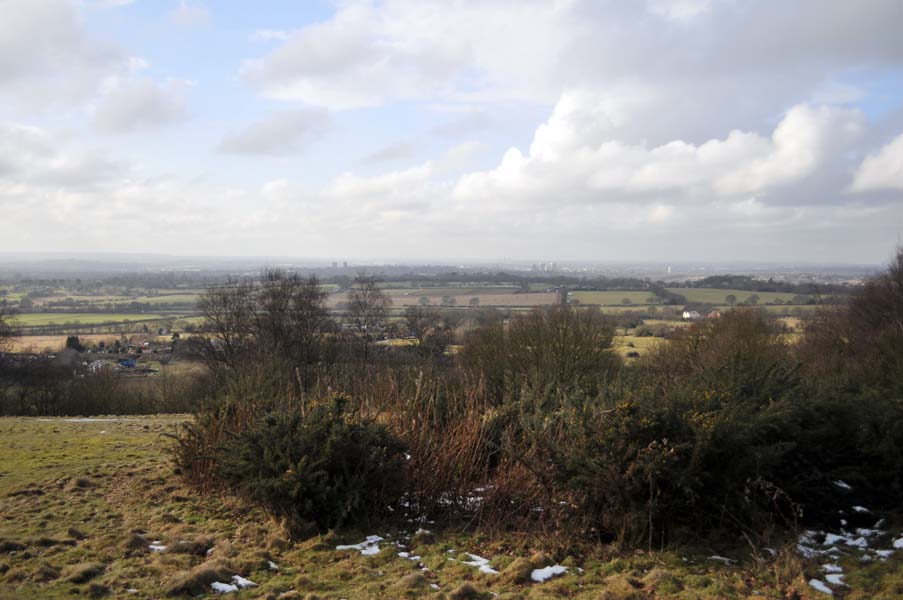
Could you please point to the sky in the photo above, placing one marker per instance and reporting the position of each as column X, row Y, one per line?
column 413, row 130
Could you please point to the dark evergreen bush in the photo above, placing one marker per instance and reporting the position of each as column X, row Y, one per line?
column 322, row 468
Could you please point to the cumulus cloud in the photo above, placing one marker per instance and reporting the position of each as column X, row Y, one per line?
column 679, row 10
column 281, row 132
column 882, row 170
column 34, row 156
column 137, row 104
column 368, row 54
column 391, row 153
column 189, row 14
column 571, row 159
column 46, row 56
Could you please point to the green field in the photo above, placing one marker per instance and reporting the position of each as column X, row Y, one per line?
column 716, row 296
column 83, row 500
column 36, row 319
column 611, row 298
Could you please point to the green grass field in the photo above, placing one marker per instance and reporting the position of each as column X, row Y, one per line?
column 35, row 319
column 716, row 296
column 83, row 500
column 612, row 298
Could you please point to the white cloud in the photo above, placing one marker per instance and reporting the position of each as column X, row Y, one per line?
column 269, row 35
column 679, row 10
column 189, row 14
column 33, row 156
column 281, row 132
column 573, row 158
column 47, row 58
column 391, row 153
column 136, row 104
column 883, row 170
column 803, row 140
column 367, row 54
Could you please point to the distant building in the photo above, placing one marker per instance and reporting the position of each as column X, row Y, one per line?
column 691, row 315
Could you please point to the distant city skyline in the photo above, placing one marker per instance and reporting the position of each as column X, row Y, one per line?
column 575, row 130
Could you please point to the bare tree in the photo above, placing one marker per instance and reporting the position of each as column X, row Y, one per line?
column 227, row 312
column 432, row 332
column 7, row 333
column 368, row 306
column 282, row 315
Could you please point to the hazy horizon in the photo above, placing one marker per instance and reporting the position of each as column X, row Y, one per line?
column 690, row 131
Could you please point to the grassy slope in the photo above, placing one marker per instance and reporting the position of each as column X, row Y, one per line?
column 108, row 479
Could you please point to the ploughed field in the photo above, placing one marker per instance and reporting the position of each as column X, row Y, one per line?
column 92, row 508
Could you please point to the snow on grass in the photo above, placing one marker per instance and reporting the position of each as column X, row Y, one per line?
column 722, row 559
column 546, row 573
column 832, row 568
column 865, row 532
column 861, row 509
column 819, row 585
column 898, row 543
column 273, row 566
column 481, row 563
column 368, row 547
column 408, row 556
column 884, row 554
column 223, row 588
column 843, row 485
column 835, row 579
column 156, row 546
column 242, row 582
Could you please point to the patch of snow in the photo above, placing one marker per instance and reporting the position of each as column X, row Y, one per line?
column 832, row 568
column 368, row 547
column 833, row 538
column 819, row 585
column 806, row 551
column 435, row 586
column 865, row 532
column 223, row 588
column 242, row 582
column 835, row 579
column 861, row 509
column 156, row 546
column 884, row 553
column 898, row 543
column 408, row 556
column 131, row 591
column 859, row 542
column 209, row 551
column 481, row 563
column 843, row 522
column 546, row 573
column 723, row 559
column 273, row 566
column 843, row 485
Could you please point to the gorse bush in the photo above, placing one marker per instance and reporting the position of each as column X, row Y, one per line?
column 728, row 428
column 318, row 469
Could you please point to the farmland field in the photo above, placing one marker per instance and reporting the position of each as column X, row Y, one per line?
column 717, row 296
column 34, row 319
column 611, row 297
column 55, row 343
column 92, row 508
